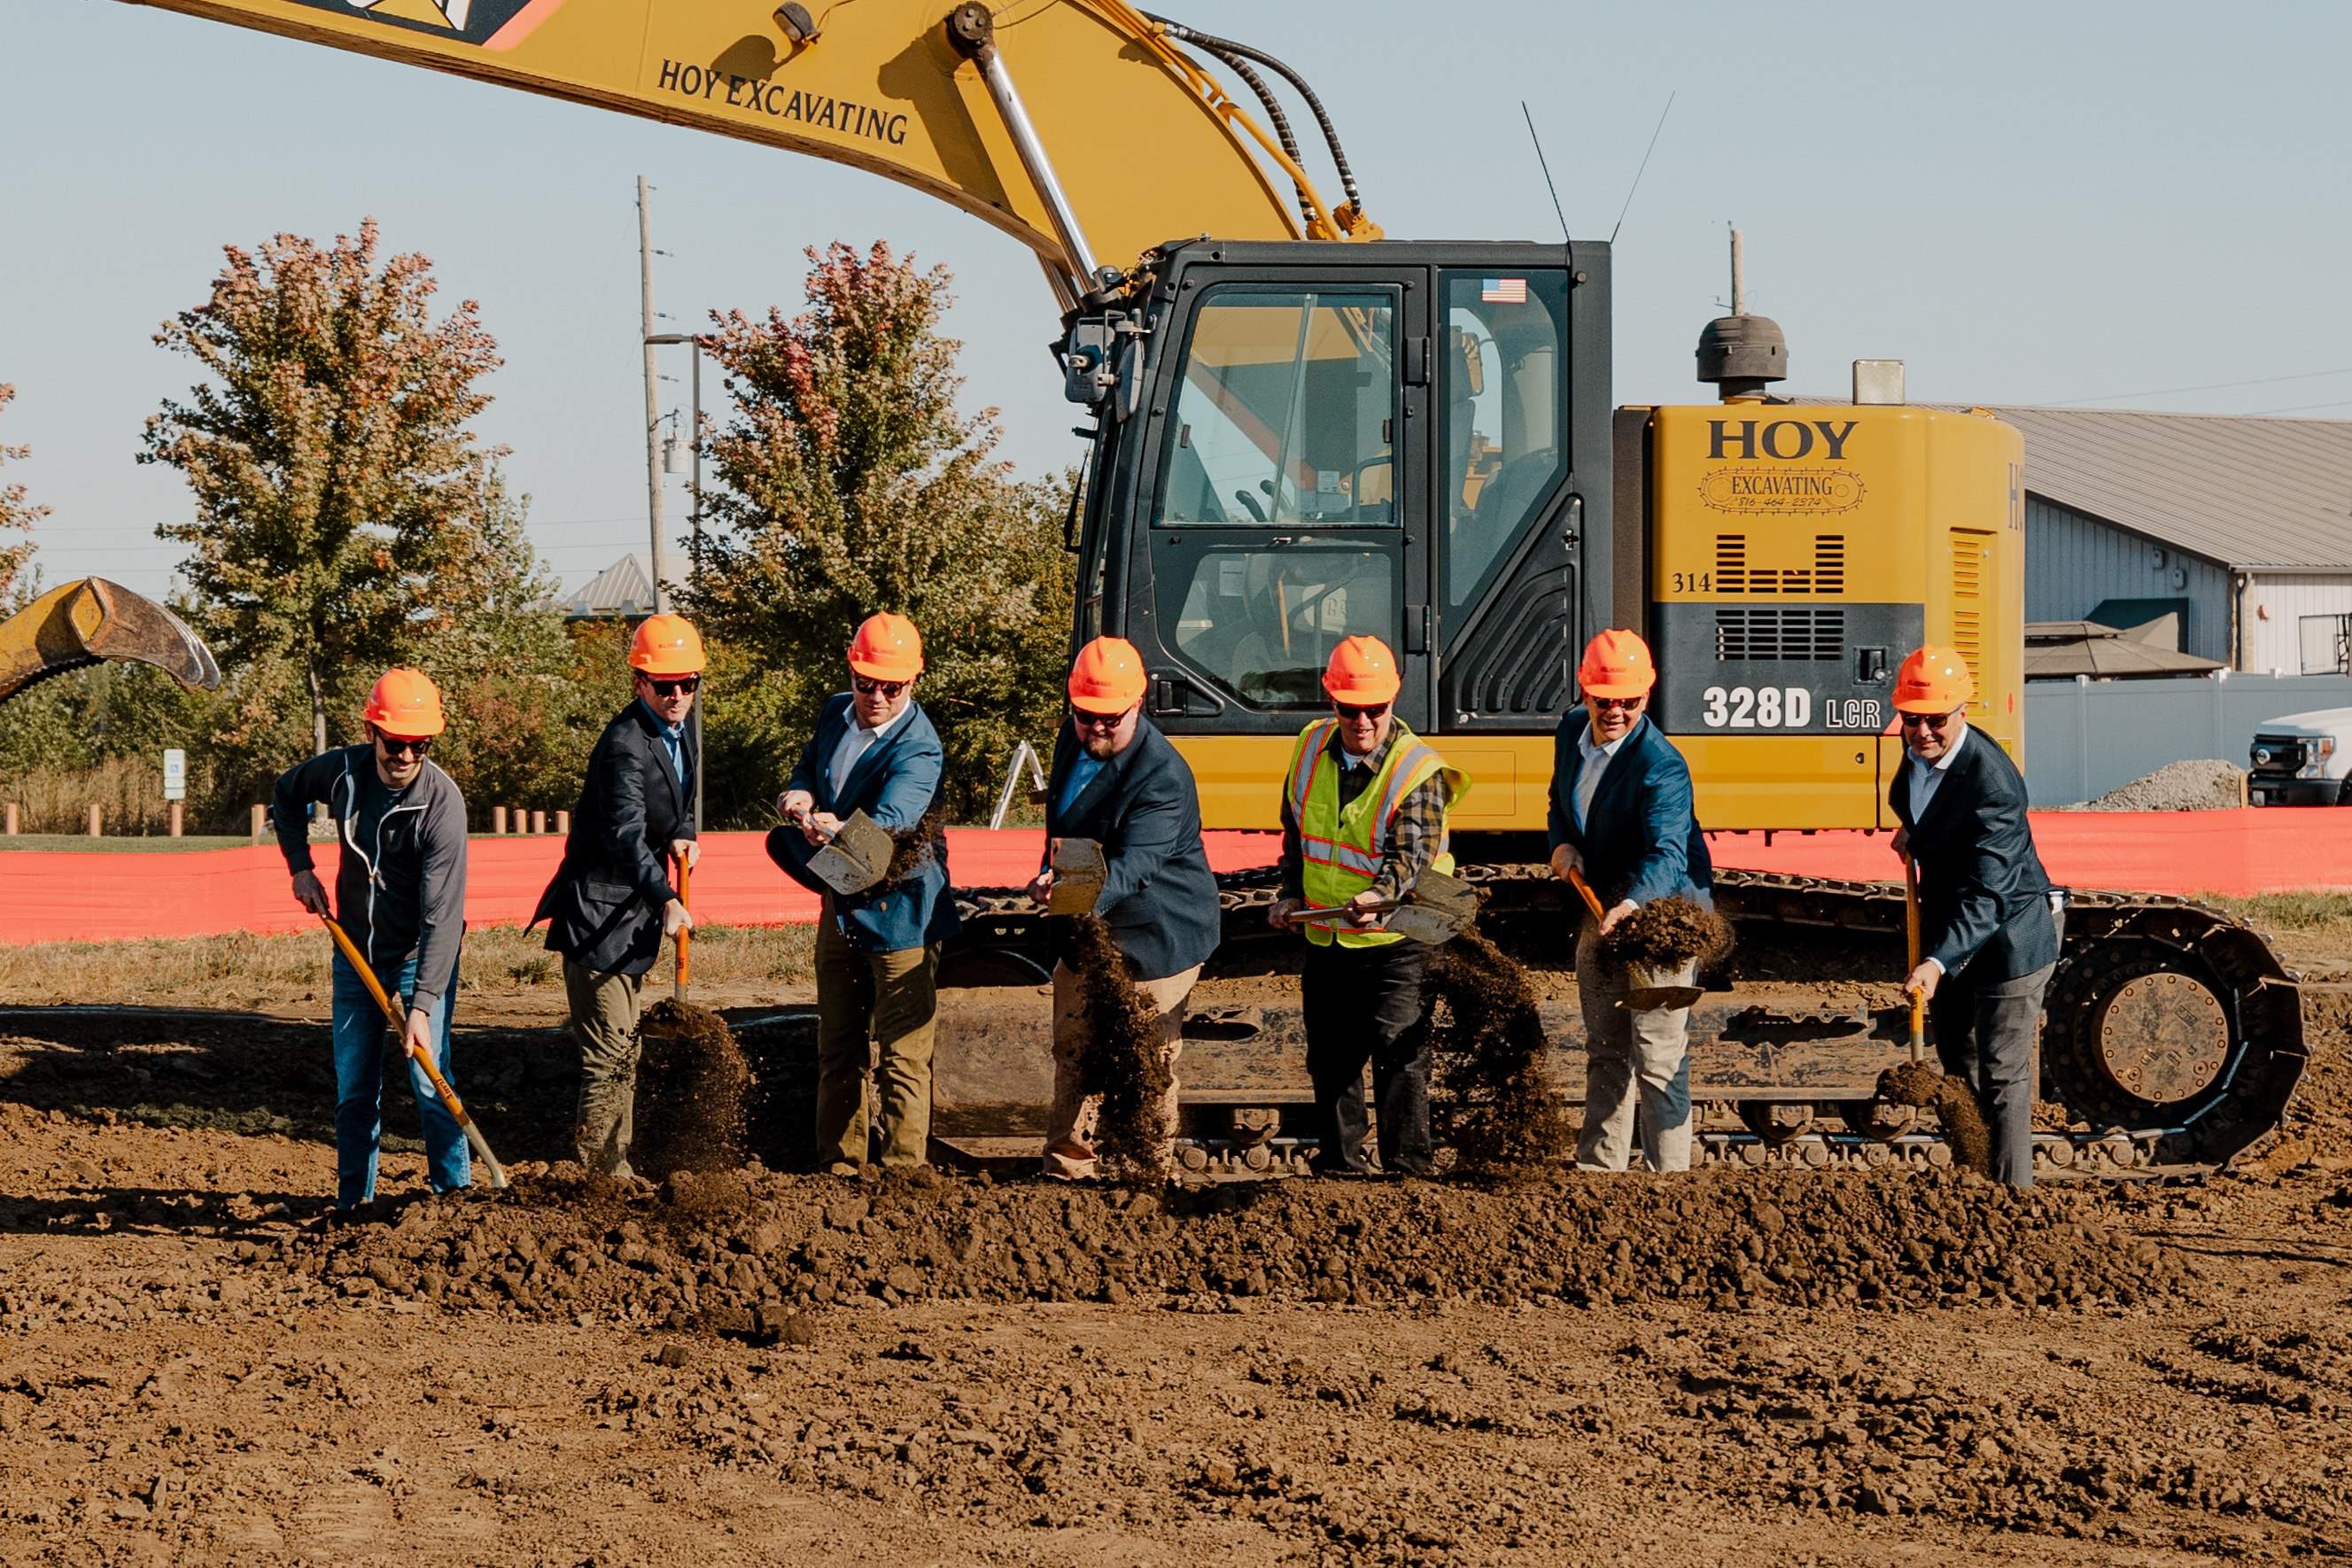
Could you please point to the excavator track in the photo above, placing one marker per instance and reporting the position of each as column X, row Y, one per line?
column 2173, row 1037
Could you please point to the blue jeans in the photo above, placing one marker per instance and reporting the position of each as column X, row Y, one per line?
column 358, row 1091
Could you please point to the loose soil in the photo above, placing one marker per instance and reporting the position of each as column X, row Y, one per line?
column 750, row 1367
column 1490, row 1098
column 1124, row 1060
column 692, row 1086
column 1667, row 933
column 1955, row 1105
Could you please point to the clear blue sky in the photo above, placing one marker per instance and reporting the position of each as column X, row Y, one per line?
column 2091, row 203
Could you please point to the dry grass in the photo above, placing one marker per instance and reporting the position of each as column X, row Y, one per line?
column 2307, row 911
column 128, row 790
column 286, row 971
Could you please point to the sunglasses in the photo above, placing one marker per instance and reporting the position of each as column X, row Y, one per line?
column 394, row 746
column 1618, row 704
column 1930, row 721
column 890, row 689
column 1085, row 720
column 688, row 684
column 1371, row 710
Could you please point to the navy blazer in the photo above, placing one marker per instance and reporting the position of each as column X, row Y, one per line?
column 1984, row 899
column 603, row 907
column 1641, row 839
column 1159, row 896
column 895, row 783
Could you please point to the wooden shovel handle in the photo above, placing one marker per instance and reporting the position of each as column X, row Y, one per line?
column 685, row 933
column 1592, row 899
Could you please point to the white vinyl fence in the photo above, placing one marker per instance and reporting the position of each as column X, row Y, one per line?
column 2084, row 738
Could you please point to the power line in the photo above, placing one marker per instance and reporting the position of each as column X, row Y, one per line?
column 2209, row 387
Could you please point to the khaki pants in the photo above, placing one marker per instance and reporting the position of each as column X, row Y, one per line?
column 1070, row 1124
column 604, row 1022
column 1630, row 1057
column 862, row 997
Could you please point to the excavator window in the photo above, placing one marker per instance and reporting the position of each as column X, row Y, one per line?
column 1287, row 410
column 1277, row 511
column 1503, row 378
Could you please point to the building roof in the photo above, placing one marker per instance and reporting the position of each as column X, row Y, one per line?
column 624, row 588
column 2247, row 492
column 2059, row 649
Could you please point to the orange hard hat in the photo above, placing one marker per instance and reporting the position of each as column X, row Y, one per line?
column 1361, row 671
column 887, row 647
column 1616, row 664
column 667, row 645
column 1107, row 677
column 1934, row 681
column 405, row 705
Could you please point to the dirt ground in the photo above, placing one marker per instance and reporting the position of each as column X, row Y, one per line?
column 195, row 1367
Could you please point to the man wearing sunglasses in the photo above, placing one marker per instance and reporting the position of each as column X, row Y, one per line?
column 1363, row 816
column 1989, row 922
column 1116, row 780
column 612, row 900
column 878, row 951
column 400, row 896
column 1622, row 815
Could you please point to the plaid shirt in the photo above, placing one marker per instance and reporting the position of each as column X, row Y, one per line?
column 1414, row 834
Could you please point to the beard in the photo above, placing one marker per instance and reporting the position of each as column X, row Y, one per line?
column 1100, row 747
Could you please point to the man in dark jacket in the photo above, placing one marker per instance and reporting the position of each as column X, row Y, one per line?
column 877, row 951
column 1117, row 781
column 1622, row 814
column 1989, row 922
column 612, row 900
column 400, row 896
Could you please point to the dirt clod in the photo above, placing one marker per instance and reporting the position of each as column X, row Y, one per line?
column 1955, row 1104
column 1125, row 1061
column 1667, row 932
column 692, row 1084
column 1491, row 1098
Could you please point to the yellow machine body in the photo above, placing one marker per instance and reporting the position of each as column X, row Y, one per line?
column 1795, row 554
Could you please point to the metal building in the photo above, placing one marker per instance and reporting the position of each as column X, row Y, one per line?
column 2241, row 527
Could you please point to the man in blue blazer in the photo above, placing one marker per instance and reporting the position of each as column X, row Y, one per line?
column 1622, row 814
column 1117, row 781
column 612, row 900
column 878, row 951
column 1989, row 922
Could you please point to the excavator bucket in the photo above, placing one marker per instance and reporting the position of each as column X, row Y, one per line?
column 93, row 619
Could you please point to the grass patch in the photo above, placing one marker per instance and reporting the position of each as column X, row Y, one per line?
column 266, row 972
column 2309, row 910
column 122, row 843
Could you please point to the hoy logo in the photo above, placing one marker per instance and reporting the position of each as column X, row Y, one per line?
column 1785, row 438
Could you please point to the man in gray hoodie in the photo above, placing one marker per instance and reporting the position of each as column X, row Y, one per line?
column 400, row 895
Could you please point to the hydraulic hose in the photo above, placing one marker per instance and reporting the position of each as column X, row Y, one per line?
column 1223, row 47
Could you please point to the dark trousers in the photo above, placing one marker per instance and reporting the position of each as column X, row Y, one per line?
column 1985, row 1033
column 1363, row 1004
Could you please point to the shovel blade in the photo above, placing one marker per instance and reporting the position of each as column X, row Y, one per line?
column 1079, row 869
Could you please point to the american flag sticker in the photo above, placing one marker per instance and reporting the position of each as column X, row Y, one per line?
column 1502, row 290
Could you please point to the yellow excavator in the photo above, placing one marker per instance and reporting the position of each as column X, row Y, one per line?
column 1306, row 431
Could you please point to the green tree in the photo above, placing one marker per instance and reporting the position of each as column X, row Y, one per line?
column 17, row 515
column 847, row 483
column 344, row 513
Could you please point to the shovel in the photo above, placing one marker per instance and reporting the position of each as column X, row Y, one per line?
column 1079, row 869
column 1911, row 935
column 677, row 984
column 1436, row 911
column 855, row 855
column 1648, row 990
column 398, row 1014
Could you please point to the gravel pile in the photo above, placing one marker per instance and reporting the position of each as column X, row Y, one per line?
column 746, row 1254
column 2201, row 784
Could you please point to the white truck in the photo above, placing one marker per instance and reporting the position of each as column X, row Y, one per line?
column 2303, row 759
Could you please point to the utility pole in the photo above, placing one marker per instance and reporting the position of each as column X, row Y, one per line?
column 653, row 388
column 1738, row 277
column 694, row 716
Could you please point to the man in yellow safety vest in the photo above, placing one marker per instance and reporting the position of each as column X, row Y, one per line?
column 1363, row 816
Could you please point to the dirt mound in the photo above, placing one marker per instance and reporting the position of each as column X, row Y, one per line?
column 1124, row 1061
column 2201, row 784
column 565, row 1244
column 1666, row 933
column 692, row 1081
column 1955, row 1104
column 1490, row 1097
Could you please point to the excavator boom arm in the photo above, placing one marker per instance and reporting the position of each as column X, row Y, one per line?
column 1144, row 143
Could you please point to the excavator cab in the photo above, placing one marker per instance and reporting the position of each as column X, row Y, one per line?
column 1300, row 443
